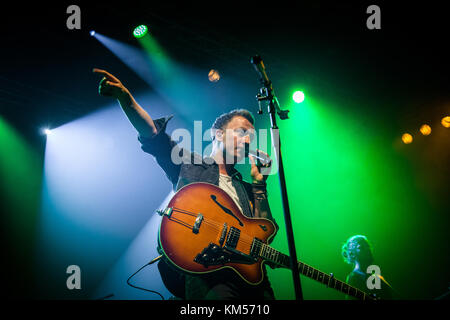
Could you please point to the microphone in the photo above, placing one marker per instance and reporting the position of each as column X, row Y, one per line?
column 258, row 64
column 265, row 160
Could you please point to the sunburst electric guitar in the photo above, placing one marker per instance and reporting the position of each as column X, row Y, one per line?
column 202, row 230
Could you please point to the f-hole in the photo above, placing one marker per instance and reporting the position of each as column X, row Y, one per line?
column 226, row 210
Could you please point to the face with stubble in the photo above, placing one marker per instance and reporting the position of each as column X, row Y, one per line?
column 235, row 139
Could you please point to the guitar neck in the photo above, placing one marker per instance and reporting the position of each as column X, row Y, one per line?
column 270, row 254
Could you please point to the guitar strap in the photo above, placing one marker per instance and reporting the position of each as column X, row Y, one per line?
column 242, row 194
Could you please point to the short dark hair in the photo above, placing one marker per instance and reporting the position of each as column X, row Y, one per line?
column 222, row 120
column 349, row 247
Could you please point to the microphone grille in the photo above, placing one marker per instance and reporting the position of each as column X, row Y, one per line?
column 256, row 59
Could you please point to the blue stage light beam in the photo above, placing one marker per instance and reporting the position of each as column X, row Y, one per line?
column 186, row 88
column 99, row 190
column 135, row 58
column 141, row 251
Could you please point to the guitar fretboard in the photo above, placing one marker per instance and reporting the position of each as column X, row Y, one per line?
column 268, row 253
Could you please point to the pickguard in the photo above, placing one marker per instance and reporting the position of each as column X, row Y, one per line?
column 214, row 255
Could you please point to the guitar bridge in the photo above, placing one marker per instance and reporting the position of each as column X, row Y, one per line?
column 197, row 223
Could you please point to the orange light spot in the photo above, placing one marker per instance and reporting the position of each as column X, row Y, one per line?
column 425, row 130
column 407, row 138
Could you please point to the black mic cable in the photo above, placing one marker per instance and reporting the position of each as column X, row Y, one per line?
column 148, row 290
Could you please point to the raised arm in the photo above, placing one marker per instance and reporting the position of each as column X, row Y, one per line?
column 110, row 86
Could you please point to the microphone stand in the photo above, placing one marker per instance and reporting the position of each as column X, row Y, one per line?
column 267, row 94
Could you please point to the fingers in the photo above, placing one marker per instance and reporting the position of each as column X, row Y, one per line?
column 258, row 172
column 267, row 162
column 256, row 163
column 108, row 88
column 263, row 153
column 106, row 74
column 105, row 83
column 104, row 90
column 113, row 84
column 252, row 160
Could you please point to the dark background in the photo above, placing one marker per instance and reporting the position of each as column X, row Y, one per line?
column 406, row 60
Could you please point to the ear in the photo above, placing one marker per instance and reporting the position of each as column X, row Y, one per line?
column 219, row 135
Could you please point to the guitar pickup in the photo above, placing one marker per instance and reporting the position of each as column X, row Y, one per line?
column 197, row 223
column 233, row 237
column 223, row 234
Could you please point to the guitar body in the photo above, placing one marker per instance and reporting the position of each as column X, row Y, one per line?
column 203, row 230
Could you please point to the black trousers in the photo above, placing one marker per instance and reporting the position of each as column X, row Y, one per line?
column 226, row 285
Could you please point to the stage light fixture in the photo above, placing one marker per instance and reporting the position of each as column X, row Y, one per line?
column 140, row 31
column 407, row 138
column 46, row 131
column 213, row 75
column 446, row 122
column 298, row 96
column 92, row 33
column 425, row 130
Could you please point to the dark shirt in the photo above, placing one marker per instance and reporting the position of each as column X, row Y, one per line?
column 358, row 280
column 222, row 284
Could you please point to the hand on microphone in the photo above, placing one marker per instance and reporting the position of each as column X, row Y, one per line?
column 259, row 171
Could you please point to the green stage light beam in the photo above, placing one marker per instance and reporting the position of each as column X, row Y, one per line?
column 20, row 184
column 343, row 180
column 159, row 59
